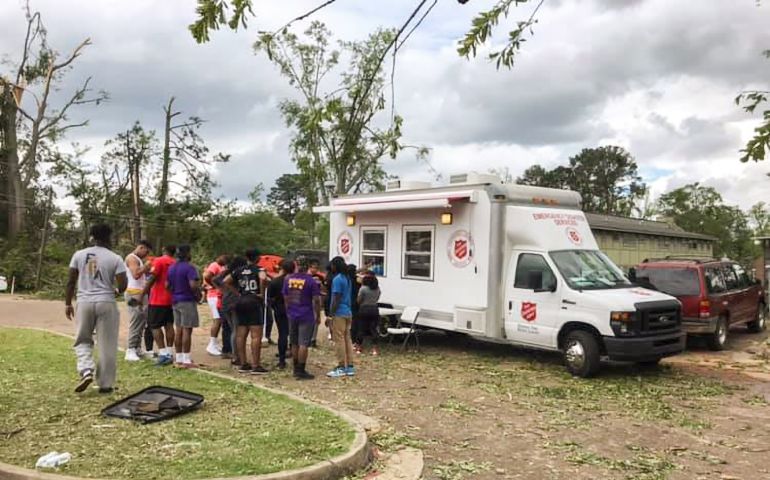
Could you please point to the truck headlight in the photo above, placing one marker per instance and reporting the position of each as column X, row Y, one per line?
column 622, row 322
column 625, row 317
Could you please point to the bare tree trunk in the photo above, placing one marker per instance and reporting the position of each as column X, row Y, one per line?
column 133, row 167
column 16, row 199
column 163, row 190
column 44, row 239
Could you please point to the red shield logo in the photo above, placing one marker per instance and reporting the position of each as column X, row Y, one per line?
column 461, row 249
column 345, row 246
column 529, row 311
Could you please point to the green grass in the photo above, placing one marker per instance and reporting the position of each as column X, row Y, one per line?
column 241, row 430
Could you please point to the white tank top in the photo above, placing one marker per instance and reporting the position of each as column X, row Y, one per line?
column 134, row 285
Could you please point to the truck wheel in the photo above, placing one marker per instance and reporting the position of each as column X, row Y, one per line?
column 581, row 353
column 717, row 340
column 759, row 324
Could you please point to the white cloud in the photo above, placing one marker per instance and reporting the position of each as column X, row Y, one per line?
column 655, row 76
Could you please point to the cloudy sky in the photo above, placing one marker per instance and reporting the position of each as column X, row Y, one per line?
column 657, row 77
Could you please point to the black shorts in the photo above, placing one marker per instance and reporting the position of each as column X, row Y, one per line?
column 249, row 312
column 301, row 333
column 159, row 317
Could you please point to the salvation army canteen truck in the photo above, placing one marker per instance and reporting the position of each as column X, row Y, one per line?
column 504, row 263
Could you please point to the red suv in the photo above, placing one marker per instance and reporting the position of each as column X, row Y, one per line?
column 715, row 295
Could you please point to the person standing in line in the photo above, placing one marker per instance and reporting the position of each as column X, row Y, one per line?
column 96, row 271
column 276, row 302
column 313, row 270
column 355, row 331
column 214, row 299
column 369, row 312
column 247, row 282
column 229, row 318
column 160, row 315
column 302, row 297
column 135, row 298
column 341, row 314
column 184, row 284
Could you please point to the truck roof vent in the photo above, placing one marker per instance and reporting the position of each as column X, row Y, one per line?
column 405, row 185
column 474, row 178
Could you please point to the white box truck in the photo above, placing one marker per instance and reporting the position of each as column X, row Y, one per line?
column 504, row 263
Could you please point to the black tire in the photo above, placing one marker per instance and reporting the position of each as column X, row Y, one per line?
column 581, row 353
column 717, row 340
column 760, row 324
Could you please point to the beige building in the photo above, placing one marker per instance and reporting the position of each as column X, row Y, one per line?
column 628, row 241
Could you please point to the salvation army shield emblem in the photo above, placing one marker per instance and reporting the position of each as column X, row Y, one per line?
column 345, row 245
column 460, row 249
column 529, row 311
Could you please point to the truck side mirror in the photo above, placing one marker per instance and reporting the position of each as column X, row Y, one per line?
column 632, row 274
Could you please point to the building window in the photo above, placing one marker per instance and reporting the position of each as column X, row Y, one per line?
column 694, row 246
column 373, row 241
column 418, row 253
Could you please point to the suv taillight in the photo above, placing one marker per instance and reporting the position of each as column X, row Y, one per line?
column 704, row 308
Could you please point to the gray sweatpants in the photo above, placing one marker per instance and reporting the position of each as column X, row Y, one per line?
column 137, row 321
column 105, row 319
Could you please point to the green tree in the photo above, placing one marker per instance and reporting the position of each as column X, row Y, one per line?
column 234, row 14
column 288, row 197
column 759, row 216
column 758, row 146
column 335, row 139
column 538, row 176
column 130, row 158
column 700, row 209
column 607, row 178
column 34, row 114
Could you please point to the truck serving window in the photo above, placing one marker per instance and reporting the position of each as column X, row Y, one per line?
column 418, row 253
column 678, row 282
column 373, row 251
column 588, row 270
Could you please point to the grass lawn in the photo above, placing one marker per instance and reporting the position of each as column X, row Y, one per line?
column 241, row 430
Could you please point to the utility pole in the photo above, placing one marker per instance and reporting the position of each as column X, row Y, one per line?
column 43, row 239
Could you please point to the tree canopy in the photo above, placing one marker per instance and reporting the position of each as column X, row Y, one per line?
column 607, row 178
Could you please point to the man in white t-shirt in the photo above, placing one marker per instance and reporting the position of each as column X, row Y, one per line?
column 136, row 300
column 96, row 271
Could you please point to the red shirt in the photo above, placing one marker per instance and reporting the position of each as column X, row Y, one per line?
column 159, row 295
column 212, row 292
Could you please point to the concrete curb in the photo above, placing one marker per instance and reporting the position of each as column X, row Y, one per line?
column 356, row 458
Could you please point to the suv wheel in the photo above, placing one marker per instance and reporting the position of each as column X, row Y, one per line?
column 718, row 339
column 581, row 353
column 759, row 324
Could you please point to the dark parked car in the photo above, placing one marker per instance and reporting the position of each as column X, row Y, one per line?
column 715, row 295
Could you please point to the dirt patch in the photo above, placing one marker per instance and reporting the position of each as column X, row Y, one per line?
column 489, row 411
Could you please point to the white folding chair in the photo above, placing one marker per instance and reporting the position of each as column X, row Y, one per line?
column 407, row 326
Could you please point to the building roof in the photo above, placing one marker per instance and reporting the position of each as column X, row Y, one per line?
column 646, row 227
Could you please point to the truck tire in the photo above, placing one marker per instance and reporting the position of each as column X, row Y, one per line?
column 717, row 340
column 760, row 323
column 581, row 353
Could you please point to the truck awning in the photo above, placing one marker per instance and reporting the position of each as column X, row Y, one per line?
column 373, row 207
column 405, row 201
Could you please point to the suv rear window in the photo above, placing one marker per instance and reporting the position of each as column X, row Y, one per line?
column 679, row 282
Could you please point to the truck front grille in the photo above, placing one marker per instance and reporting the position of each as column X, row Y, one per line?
column 658, row 317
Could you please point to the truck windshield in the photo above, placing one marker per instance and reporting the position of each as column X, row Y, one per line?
column 589, row 270
column 679, row 282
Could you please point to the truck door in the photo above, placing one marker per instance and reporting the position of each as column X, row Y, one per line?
column 532, row 300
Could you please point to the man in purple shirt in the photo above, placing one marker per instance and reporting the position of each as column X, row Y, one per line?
column 184, row 284
column 303, row 307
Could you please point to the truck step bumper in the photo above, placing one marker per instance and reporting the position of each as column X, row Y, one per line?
column 641, row 349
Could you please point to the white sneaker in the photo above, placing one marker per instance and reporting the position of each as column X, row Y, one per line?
column 131, row 355
column 213, row 349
